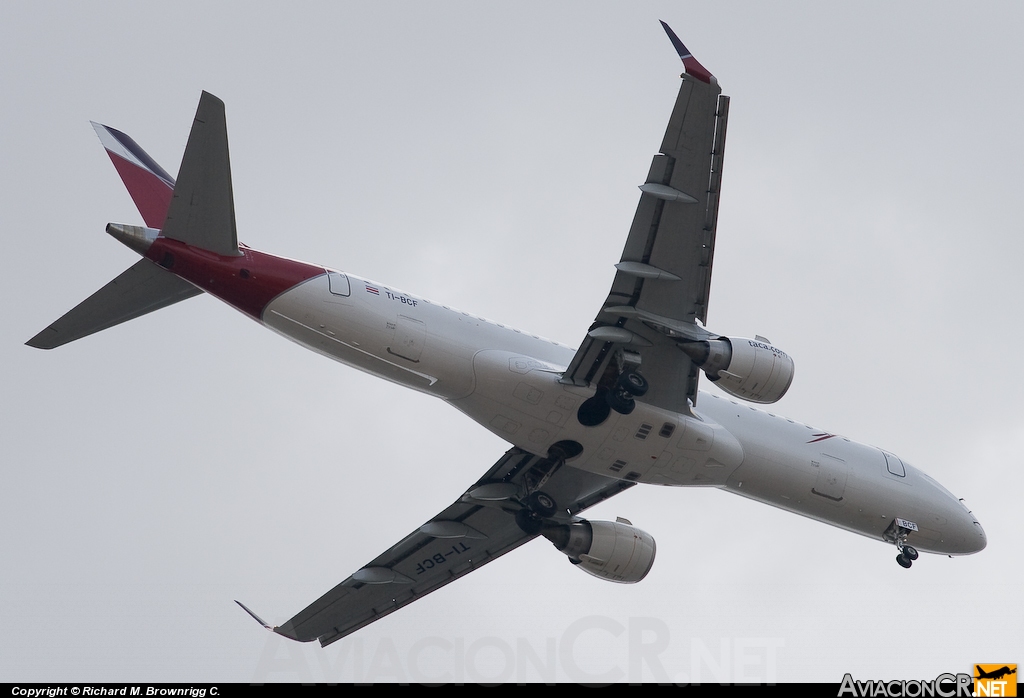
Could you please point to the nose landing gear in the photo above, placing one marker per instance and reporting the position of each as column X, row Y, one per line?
column 897, row 533
column 908, row 554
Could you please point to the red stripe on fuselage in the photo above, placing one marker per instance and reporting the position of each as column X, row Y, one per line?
column 152, row 195
column 248, row 282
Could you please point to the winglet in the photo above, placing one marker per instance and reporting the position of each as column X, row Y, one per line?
column 693, row 67
column 256, row 617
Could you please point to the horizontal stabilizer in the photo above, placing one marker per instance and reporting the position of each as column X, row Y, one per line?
column 143, row 288
column 202, row 212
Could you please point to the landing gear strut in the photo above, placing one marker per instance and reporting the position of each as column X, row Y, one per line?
column 541, row 504
column 897, row 533
column 537, row 507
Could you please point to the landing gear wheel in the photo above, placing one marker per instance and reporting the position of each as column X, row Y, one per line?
column 528, row 522
column 633, row 383
column 541, row 504
column 623, row 404
column 897, row 533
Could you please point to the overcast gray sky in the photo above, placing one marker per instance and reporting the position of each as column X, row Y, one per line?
column 488, row 158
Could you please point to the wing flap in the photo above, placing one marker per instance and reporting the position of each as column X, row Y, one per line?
column 420, row 564
column 673, row 232
column 684, row 241
column 466, row 535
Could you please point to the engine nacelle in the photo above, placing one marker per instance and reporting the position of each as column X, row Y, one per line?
column 612, row 550
column 750, row 369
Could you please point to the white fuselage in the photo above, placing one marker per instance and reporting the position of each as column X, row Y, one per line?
column 509, row 382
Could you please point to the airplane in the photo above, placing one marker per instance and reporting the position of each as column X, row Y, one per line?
column 996, row 674
column 584, row 423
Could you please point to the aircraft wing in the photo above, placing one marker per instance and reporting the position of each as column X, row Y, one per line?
column 478, row 528
column 660, row 290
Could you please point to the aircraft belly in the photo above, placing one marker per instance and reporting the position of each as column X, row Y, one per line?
column 521, row 399
column 700, row 453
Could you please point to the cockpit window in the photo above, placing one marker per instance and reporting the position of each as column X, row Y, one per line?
column 894, row 464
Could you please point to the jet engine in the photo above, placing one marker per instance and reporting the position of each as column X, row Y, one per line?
column 612, row 550
column 750, row 369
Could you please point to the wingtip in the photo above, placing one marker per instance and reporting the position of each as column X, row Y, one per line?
column 45, row 339
column 691, row 64
column 254, row 616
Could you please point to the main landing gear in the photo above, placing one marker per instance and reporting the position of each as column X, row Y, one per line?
column 628, row 386
column 537, row 507
column 620, row 397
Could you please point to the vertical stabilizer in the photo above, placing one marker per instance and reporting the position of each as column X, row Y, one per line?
column 197, row 210
column 148, row 184
column 202, row 212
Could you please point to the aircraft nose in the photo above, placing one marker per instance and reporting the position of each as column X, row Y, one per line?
column 977, row 536
column 967, row 531
column 960, row 532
